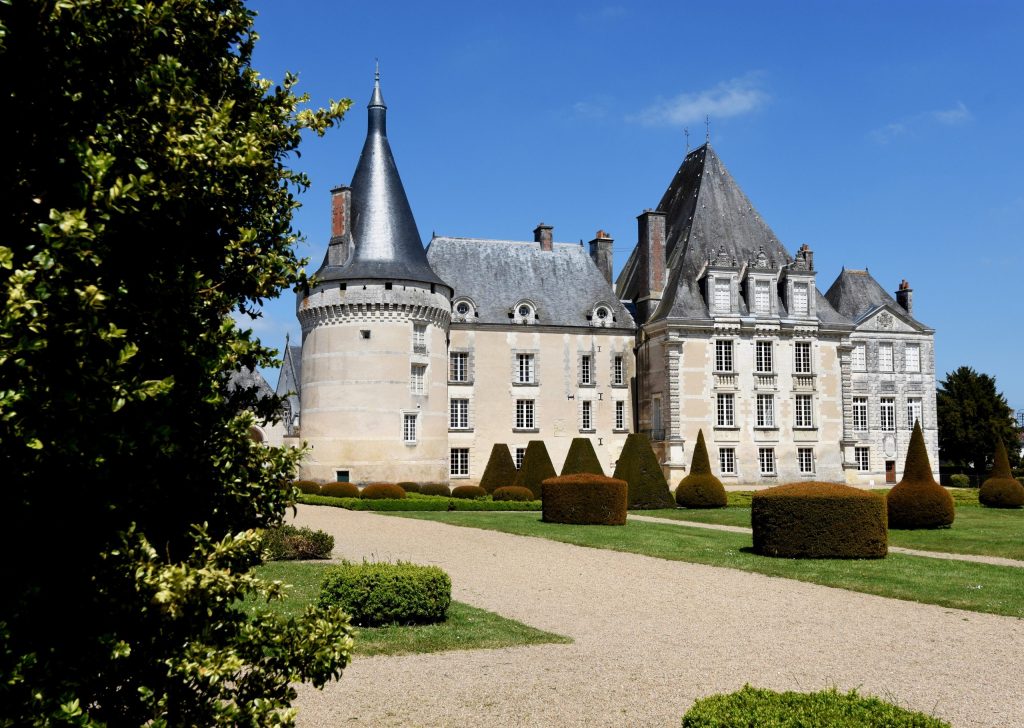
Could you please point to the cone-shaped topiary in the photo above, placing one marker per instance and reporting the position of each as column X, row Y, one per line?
column 582, row 458
column 918, row 501
column 500, row 470
column 1001, row 489
column 536, row 468
column 639, row 467
column 700, row 488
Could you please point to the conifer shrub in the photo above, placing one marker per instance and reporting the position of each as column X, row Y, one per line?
column 917, row 501
column 500, row 470
column 700, row 488
column 468, row 492
column 377, row 491
column 639, row 467
column 409, row 487
column 819, row 521
column 585, row 499
column 1001, row 489
column 340, row 490
column 536, row 468
column 435, row 489
column 309, row 487
column 285, row 543
column 376, row 594
column 581, row 458
column 513, row 493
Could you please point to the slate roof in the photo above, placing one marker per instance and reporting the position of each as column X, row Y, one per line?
column 855, row 293
column 290, row 376
column 248, row 379
column 565, row 285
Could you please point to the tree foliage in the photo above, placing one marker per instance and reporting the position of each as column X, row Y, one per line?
column 147, row 199
column 972, row 415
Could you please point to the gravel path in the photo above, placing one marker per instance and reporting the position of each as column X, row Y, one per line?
column 651, row 636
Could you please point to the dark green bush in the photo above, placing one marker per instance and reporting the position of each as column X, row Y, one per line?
column 435, row 489
column 513, row 493
column 375, row 594
column 768, row 709
column 409, row 487
column 959, row 480
column 285, row 543
column 536, row 467
column 382, row 490
column 819, row 521
column 918, row 501
column 340, row 490
column 468, row 492
column 425, row 503
column 585, row 498
column 309, row 487
column 581, row 458
column 639, row 467
column 1001, row 489
column 500, row 470
column 700, row 488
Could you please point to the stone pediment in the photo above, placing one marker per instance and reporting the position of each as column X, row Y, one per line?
column 887, row 319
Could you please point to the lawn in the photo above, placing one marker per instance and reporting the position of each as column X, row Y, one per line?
column 964, row 585
column 467, row 628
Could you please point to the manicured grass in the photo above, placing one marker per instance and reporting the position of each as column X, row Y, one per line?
column 467, row 628
column 418, row 502
column 964, row 585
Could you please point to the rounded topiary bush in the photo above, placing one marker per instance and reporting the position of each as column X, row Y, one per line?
column 581, row 458
column 309, row 487
column 536, row 467
column 468, row 492
column 918, row 501
column 374, row 594
column 435, row 489
column 700, row 488
column 819, row 521
column 378, row 491
column 409, row 487
column 500, row 470
column 639, row 467
column 757, row 707
column 513, row 493
column 284, row 543
column 585, row 498
column 340, row 490
column 959, row 480
column 1001, row 489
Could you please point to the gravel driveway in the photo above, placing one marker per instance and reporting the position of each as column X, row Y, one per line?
column 651, row 636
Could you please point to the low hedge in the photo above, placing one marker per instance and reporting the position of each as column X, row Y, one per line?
column 340, row 490
column 819, row 521
column 585, row 498
column 375, row 594
column 286, row 543
column 769, row 709
column 309, row 487
column 1001, row 489
column 377, row 491
column 468, row 492
column 435, row 489
column 420, row 503
column 513, row 493
column 917, row 501
column 409, row 487
column 700, row 488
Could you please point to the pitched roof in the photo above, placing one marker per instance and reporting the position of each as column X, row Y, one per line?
column 246, row 379
column 564, row 284
column 855, row 292
column 289, row 377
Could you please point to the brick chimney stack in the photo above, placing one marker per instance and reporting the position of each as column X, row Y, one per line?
column 340, row 246
column 601, row 254
column 905, row 296
column 651, row 254
column 543, row 234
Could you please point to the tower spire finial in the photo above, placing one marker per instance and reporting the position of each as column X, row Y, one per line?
column 686, row 133
column 707, row 129
column 376, row 70
column 377, row 99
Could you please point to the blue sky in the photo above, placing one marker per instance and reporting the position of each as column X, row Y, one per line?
column 885, row 135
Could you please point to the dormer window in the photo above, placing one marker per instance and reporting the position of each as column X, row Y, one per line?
column 463, row 309
column 762, row 297
column 800, row 307
column 524, row 313
column 601, row 315
column 723, row 296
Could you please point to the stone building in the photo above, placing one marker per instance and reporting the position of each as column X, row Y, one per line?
column 414, row 362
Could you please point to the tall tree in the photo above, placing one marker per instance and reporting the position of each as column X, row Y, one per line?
column 972, row 415
column 147, row 199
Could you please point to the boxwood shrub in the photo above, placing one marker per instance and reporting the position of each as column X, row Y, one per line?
column 468, row 492
column 285, row 543
column 340, row 490
column 918, row 501
column 758, row 707
column 513, row 493
column 377, row 491
column 639, row 467
column 819, row 521
column 375, row 594
column 435, row 489
column 1001, row 489
column 581, row 458
column 409, row 487
column 536, row 467
column 584, row 498
column 309, row 487
column 500, row 470
column 700, row 488
column 959, row 480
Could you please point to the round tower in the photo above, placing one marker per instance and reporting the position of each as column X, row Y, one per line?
column 374, row 380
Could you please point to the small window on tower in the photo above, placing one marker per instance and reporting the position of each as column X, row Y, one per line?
column 364, row 333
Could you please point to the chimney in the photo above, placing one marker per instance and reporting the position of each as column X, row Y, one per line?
column 651, row 255
column 339, row 248
column 542, row 234
column 601, row 254
column 805, row 257
column 905, row 296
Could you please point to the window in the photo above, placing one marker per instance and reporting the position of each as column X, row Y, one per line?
column 800, row 299
column 525, row 368
column 887, row 413
column 409, row 428
column 524, row 414
column 762, row 300
column 763, row 357
column 859, row 360
column 724, row 410
column 912, row 358
column 860, row 414
column 803, row 411
column 458, row 417
column 524, row 311
column 458, row 366
column 587, row 415
column 459, row 462
column 723, row 356
column 805, row 460
column 885, row 357
column 802, row 357
column 417, row 375
column 862, row 456
column 586, row 370
column 419, row 338
column 520, row 454
column 723, row 296
column 766, row 460
column 462, row 308
column 727, row 460
column 601, row 313
column 341, row 476
column 618, row 370
column 620, row 415
column 766, row 410
column 364, row 333
column 914, row 411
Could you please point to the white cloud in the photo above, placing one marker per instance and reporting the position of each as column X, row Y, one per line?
column 730, row 98
column 954, row 116
column 959, row 114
